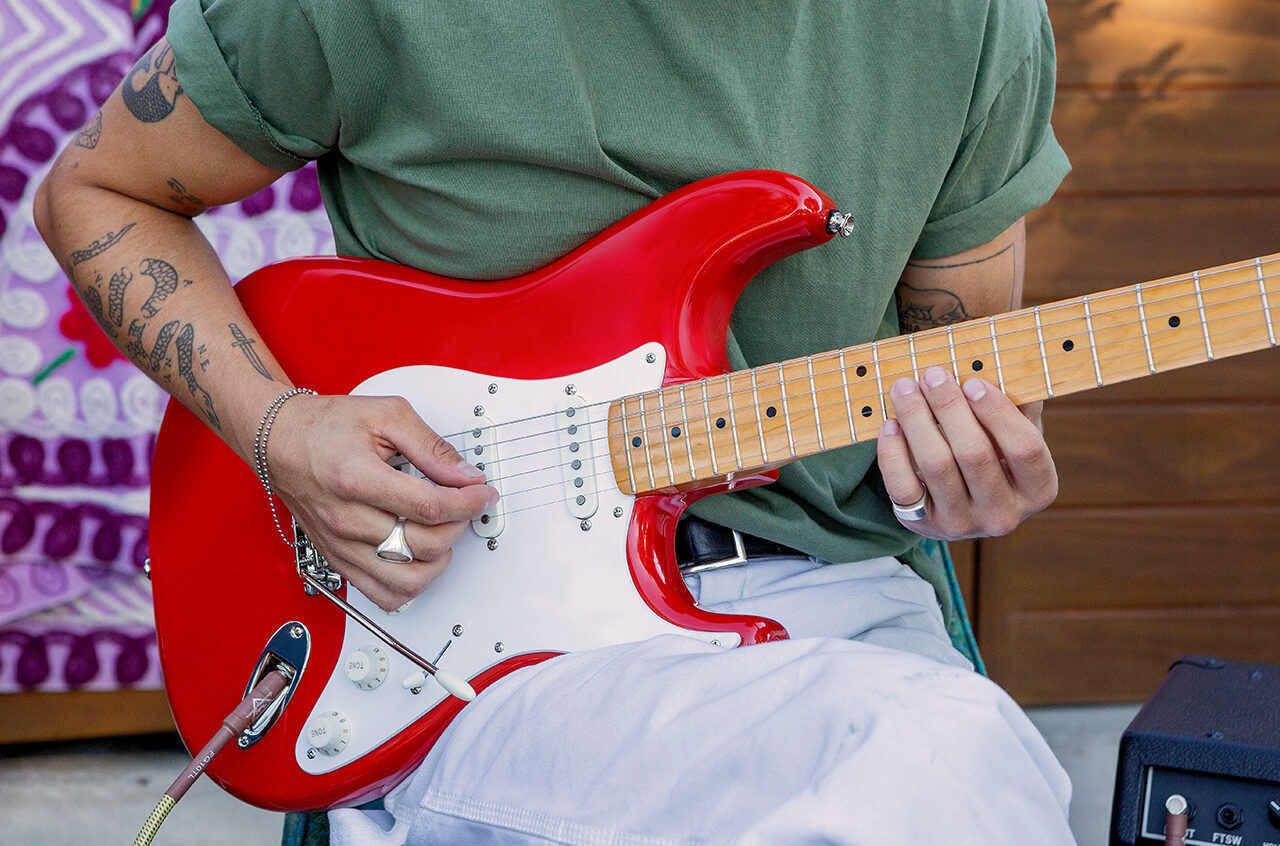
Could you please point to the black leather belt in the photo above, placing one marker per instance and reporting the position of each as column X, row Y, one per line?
column 704, row 546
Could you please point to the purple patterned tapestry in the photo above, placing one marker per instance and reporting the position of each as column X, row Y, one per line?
column 77, row 421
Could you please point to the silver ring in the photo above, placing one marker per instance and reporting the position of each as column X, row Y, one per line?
column 395, row 548
column 913, row 512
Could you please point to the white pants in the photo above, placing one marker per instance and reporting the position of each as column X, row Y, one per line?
column 846, row 738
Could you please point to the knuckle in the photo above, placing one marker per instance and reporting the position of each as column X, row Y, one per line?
column 978, row 457
column 442, row 450
column 1029, row 451
column 344, row 486
column 427, row 509
column 934, row 465
column 337, row 520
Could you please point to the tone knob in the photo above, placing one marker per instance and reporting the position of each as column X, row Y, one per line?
column 329, row 732
column 366, row 667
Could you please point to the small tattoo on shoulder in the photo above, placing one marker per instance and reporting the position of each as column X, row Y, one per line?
column 925, row 308
column 88, row 137
column 151, row 89
column 181, row 195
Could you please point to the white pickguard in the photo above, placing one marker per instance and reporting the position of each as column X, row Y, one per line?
column 547, row 585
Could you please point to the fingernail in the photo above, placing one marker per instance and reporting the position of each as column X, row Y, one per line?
column 401, row 609
column 974, row 389
column 904, row 387
column 491, row 501
column 935, row 376
column 890, row 427
column 470, row 470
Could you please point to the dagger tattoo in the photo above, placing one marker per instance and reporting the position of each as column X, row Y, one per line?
column 245, row 344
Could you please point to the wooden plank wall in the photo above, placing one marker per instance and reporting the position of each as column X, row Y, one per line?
column 1166, row 536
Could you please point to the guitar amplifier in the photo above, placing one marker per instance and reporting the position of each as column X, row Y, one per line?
column 1211, row 733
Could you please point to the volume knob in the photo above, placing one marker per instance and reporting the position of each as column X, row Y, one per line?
column 329, row 732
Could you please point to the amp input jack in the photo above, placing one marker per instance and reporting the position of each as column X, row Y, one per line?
column 1230, row 816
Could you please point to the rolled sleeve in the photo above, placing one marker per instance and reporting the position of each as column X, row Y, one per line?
column 1008, row 163
column 256, row 71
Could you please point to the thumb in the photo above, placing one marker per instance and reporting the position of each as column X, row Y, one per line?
column 426, row 450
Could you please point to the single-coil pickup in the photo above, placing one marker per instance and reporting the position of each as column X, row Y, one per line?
column 480, row 448
column 573, row 426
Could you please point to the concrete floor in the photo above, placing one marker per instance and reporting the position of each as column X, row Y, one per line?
column 101, row 792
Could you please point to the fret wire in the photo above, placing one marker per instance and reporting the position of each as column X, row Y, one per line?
column 1044, row 357
column 733, row 422
column 875, row 361
column 1266, row 307
column 1204, row 320
column 688, row 439
column 786, row 414
column 1146, row 335
column 1093, row 343
column 915, row 366
column 951, row 344
column 813, row 392
column 631, row 468
column 666, row 433
column 848, row 404
column 648, row 443
column 755, row 398
column 706, row 407
column 995, row 351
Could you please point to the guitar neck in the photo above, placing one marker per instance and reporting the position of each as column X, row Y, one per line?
column 697, row 433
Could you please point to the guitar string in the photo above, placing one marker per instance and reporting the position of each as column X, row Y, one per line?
column 1039, row 362
column 561, row 500
column 701, row 454
column 861, row 398
column 1250, row 282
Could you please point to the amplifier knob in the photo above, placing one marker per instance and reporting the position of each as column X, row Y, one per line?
column 329, row 732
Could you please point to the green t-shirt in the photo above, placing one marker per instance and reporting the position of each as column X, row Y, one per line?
column 484, row 139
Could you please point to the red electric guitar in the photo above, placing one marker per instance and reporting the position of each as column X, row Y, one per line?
column 598, row 432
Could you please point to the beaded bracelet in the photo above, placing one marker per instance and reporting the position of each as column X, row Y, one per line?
column 260, row 452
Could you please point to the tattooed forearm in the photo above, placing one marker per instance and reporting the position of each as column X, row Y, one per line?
column 151, row 89
column 99, row 246
column 173, row 333
column 181, row 195
column 925, row 308
column 185, row 346
column 88, row 137
column 245, row 344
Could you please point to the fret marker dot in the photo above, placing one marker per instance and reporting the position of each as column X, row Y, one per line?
column 635, row 442
column 675, row 431
column 1175, row 321
column 1068, row 345
column 719, row 422
column 866, row 411
column 771, row 412
column 862, row 370
column 977, row 365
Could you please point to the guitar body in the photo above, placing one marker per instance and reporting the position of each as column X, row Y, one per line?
column 644, row 304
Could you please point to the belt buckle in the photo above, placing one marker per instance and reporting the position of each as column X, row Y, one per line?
column 736, row 560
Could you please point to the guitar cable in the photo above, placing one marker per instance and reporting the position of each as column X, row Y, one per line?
column 273, row 683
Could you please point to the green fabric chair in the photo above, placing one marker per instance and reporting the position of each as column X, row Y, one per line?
column 312, row 828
